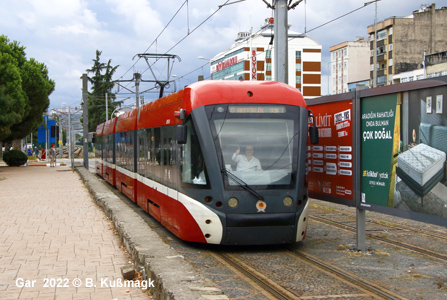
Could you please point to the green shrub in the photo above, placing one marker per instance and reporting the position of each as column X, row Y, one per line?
column 15, row 158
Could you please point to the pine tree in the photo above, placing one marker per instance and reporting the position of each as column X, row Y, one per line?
column 101, row 84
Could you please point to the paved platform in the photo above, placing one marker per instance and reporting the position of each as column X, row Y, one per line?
column 53, row 237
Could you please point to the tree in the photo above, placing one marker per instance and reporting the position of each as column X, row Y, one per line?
column 101, row 84
column 38, row 87
column 24, row 91
column 12, row 96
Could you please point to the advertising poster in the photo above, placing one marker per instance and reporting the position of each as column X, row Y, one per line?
column 380, row 136
column 330, row 163
column 421, row 184
column 404, row 147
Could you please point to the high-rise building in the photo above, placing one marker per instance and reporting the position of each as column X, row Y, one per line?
column 401, row 42
column 349, row 65
column 251, row 58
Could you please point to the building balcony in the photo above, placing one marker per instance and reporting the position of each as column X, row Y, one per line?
column 382, row 57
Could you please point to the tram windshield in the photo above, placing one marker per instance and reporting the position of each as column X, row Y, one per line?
column 257, row 143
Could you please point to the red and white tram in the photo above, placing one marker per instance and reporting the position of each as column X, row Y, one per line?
column 177, row 157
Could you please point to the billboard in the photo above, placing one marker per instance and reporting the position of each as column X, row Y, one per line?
column 399, row 149
column 330, row 163
column 406, row 170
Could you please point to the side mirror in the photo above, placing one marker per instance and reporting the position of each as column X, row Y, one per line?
column 313, row 132
column 182, row 134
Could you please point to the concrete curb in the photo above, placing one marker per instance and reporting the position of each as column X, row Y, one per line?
column 174, row 278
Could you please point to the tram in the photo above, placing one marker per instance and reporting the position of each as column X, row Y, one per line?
column 219, row 162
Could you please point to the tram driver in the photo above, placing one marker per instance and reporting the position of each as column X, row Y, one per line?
column 246, row 162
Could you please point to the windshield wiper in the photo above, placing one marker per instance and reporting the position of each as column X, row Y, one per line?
column 242, row 184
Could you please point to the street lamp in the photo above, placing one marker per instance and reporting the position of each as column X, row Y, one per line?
column 125, row 107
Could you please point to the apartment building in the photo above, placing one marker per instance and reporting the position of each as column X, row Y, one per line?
column 349, row 65
column 401, row 42
column 251, row 58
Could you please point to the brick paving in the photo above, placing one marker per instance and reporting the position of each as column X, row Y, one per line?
column 51, row 230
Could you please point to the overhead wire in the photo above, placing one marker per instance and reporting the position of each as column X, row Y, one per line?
column 155, row 40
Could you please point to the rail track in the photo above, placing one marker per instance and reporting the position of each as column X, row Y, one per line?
column 345, row 226
column 274, row 290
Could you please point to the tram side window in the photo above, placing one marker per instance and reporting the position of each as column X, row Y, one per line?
column 156, row 154
column 109, row 146
column 130, row 143
column 120, row 145
column 98, row 147
column 148, row 133
column 169, row 161
column 106, row 146
column 193, row 169
column 124, row 150
column 142, row 153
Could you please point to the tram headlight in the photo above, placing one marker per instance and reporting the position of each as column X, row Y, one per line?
column 233, row 202
column 288, row 201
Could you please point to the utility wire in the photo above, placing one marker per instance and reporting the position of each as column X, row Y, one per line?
column 190, row 32
column 156, row 37
column 272, row 46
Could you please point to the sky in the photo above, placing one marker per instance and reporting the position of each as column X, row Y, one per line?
column 65, row 34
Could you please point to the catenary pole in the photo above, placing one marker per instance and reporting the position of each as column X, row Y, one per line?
column 280, row 41
column 107, row 108
column 85, row 119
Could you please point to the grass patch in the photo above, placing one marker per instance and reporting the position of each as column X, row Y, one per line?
column 316, row 206
column 380, row 252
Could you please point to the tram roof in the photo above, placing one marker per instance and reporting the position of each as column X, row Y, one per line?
column 161, row 112
column 109, row 126
column 99, row 129
column 231, row 91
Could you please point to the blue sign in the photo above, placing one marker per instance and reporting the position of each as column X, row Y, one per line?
column 42, row 136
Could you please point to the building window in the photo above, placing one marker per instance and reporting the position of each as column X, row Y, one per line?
column 268, row 66
column 372, row 67
column 298, row 79
column 268, row 77
column 390, row 32
column 390, row 62
column 381, row 35
column 371, row 38
column 268, row 54
column 381, row 79
column 298, row 54
column 372, row 52
column 345, row 52
column 391, row 47
column 298, row 67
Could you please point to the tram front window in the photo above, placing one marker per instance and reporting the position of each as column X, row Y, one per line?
column 257, row 143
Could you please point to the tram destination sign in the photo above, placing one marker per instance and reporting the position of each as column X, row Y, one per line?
column 257, row 109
